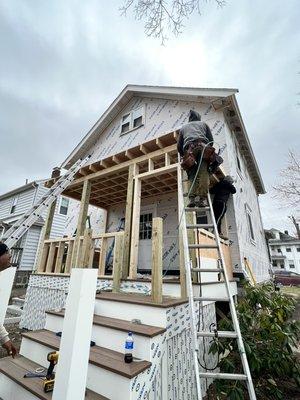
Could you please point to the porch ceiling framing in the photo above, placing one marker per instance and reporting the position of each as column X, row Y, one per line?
column 109, row 177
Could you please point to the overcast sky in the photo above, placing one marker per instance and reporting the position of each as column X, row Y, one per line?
column 63, row 62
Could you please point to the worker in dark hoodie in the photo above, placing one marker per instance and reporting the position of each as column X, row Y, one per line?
column 222, row 190
column 192, row 136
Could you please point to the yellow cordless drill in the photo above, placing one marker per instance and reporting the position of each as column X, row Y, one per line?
column 49, row 379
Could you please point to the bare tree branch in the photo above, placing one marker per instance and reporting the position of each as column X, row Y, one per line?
column 288, row 188
column 161, row 16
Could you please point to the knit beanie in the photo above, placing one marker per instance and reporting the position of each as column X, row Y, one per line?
column 3, row 249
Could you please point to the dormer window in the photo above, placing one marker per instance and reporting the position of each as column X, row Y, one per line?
column 132, row 120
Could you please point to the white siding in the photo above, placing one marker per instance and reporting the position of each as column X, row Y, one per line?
column 24, row 202
column 30, row 248
column 255, row 251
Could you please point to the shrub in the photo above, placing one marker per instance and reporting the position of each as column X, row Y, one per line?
column 269, row 335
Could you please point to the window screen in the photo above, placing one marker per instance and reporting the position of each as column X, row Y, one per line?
column 146, row 226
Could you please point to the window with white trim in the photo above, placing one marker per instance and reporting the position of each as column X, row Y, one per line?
column 291, row 263
column 13, row 205
column 132, row 120
column 250, row 224
column 145, row 226
column 64, row 206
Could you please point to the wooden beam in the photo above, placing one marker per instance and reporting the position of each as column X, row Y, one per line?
column 157, row 171
column 157, row 259
column 183, row 283
column 50, row 259
column 103, row 164
column 129, row 155
column 45, row 234
column 144, row 149
column 116, row 160
column 150, row 165
column 122, row 166
column 93, row 168
column 117, row 263
column 159, row 143
column 102, row 257
column 134, row 246
column 84, row 205
column 59, row 257
column 69, row 256
column 167, row 159
column 86, row 248
column 133, row 170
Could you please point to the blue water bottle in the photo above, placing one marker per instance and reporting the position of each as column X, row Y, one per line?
column 128, row 357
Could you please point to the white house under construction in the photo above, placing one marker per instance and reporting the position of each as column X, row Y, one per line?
column 132, row 175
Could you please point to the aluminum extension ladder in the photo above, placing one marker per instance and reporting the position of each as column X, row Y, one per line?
column 196, row 334
column 21, row 226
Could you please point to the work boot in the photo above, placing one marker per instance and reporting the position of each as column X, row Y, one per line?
column 192, row 203
column 201, row 202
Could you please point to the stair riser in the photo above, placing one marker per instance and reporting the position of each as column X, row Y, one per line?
column 99, row 380
column 147, row 314
column 112, row 339
column 9, row 390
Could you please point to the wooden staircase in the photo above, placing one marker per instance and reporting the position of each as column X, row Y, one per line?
column 109, row 377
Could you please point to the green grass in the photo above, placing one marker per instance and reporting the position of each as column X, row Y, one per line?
column 295, row 290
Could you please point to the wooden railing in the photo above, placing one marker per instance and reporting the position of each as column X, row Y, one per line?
column 58, row 255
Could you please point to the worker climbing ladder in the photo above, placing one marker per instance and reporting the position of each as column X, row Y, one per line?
column 190, row 269
column 20, row 227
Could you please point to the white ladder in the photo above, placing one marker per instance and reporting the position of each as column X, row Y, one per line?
column 21, row 226
column 189, row 268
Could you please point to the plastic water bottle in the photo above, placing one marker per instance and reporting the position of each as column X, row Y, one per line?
column 128, row 357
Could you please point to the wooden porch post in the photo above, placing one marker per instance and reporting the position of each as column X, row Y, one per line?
column 183, row 287
column 45, row 234
column 84, row 205
column 134, row 245
column 133, row 170
column 157, row 259
column 117, row 263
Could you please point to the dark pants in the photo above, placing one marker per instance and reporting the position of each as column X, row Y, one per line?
column 220, row 208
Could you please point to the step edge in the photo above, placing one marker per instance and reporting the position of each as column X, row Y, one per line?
column 23, row 385
column 176, row 302
column 107, row 325
column 98, row 364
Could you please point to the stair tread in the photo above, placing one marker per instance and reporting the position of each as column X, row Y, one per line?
column 121, row 324
column 100, row 356
column 17, row 367
column 134, row 298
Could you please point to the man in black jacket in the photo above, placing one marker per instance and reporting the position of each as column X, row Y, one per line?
column 190, row 134
column 222, row 191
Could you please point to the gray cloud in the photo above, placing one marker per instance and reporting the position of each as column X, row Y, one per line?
column 62, row 63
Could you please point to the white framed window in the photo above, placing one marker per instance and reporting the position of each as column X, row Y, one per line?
column 291, row 263
column 145, row 226
column 64, row 206
column 250, row 224
column 132, row 120
column 13, row 205
column 288, row 250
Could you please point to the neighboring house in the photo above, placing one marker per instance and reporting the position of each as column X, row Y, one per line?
column 14, row 204
column 284, row 250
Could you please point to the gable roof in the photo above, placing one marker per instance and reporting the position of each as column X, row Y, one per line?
column 220, row 97
column 21, row 189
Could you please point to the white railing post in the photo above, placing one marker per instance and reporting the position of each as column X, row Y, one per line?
column 71, row 373
column 6, row 283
